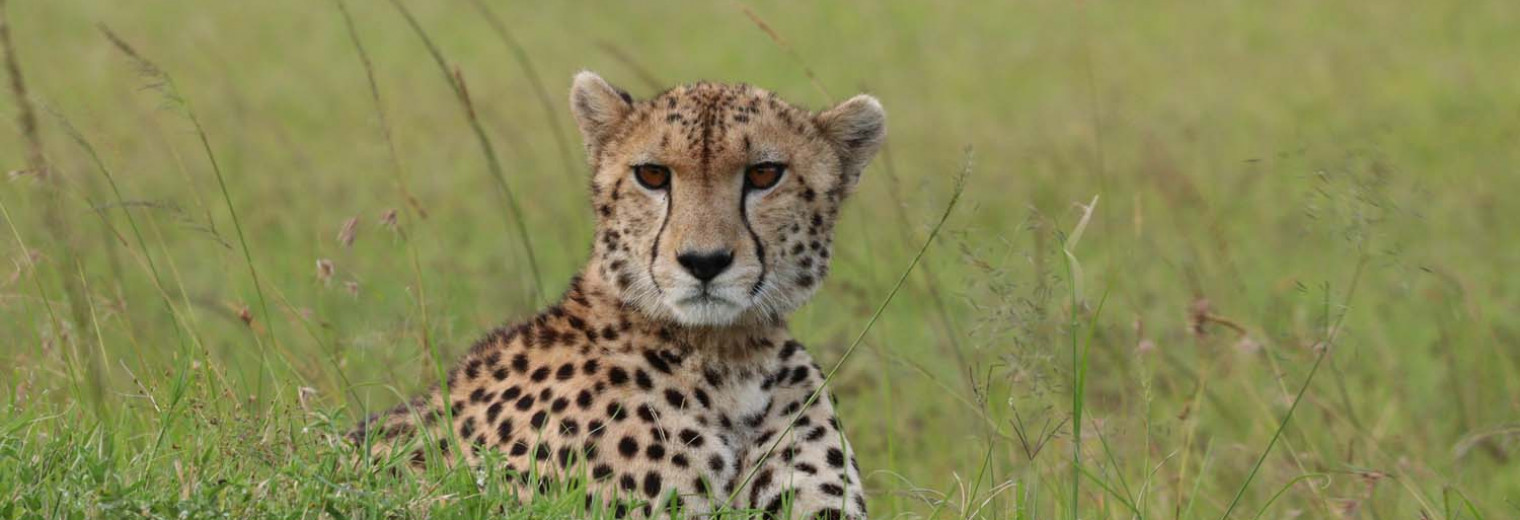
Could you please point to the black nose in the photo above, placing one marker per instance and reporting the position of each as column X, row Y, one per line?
column 706, row 266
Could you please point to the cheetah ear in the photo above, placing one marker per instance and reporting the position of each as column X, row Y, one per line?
column 856, row 128
column 598, row 108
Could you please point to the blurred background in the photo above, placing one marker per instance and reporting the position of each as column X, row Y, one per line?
column 1273, row 193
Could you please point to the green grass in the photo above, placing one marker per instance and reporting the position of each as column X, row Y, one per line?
column 1300, row 247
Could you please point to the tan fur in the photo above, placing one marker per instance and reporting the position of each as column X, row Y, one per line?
column 664, row 392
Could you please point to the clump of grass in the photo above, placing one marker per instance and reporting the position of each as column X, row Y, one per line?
column 1078, row 356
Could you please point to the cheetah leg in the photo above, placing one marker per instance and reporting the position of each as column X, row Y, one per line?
column 811, row 471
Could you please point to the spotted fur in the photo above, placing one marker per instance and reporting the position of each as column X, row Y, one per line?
column 672, row 395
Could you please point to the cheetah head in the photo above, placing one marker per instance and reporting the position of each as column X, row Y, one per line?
column 716, row 203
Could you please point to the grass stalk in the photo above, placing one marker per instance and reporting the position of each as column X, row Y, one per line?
column 425, row 327
column 514, row 214
column 1078, row 352
column 551, row 114
column 787, row 48
column 1326, row 346
column 54, row 219
column 380, row 113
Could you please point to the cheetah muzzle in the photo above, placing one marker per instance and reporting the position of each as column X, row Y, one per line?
column 665, row 379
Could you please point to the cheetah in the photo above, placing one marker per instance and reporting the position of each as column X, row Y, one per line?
column 665, row 378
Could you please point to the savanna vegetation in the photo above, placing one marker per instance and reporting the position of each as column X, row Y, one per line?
column 1208, row 259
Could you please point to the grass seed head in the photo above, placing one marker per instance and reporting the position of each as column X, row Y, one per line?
column 349, row 232
column 388, row 219
column 324, row 270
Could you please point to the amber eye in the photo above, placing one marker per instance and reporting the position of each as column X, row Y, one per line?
column 764, row 175
column 652, row 176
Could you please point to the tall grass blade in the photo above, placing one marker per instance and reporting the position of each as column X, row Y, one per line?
column 514, row 217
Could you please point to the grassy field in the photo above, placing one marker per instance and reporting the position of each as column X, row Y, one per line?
column 1293, row 295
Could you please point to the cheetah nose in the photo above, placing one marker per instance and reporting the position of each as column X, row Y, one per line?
column 706, row 265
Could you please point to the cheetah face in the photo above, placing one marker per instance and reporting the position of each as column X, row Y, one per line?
column 716, row 203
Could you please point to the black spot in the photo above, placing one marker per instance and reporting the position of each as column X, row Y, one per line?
column 816, row 433
column 713, row 378
column 583, row 399
column 504, row 430
column 761, row 482
column 540, row 374
column 692, row 438
column 702, row 398
column 601, row 472
column 596, row 428
column 591, row 367
column 675, row 398
column 680, row 460
column 773, row 508
column 547, row 337
column 646, row 413
column 565, row 372
column 500, row 374
column 656, row 361
column 807, row 468
column 493, row 412
column 520, row 363
column 559, row 405
column 519, row 448
column 715, row 463
column 478, row 395
column 628, row 483
column 510, row 394
column 617, row 376
column 831, row 489
column 641, row 378
column 655, row 451
column 615, row 411
column 472, row 370
column 652, row 484
column 525, row 403
column 829, row 514
column 542, row 452
column 539, row 419
column 628, row 447
column 467, row 428
column 836, row 458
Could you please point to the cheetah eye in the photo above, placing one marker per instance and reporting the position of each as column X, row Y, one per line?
column 762, row 176
column 652, row 176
